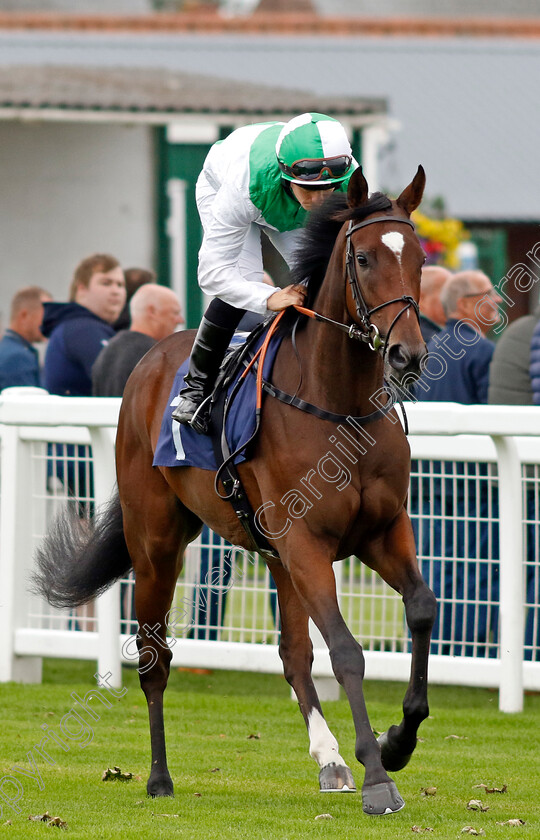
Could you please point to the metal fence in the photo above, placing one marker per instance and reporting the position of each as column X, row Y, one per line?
column 475, row 507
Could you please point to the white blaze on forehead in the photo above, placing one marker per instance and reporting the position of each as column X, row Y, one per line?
column 395, row 242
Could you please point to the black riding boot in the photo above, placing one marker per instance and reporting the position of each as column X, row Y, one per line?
column 208, row 351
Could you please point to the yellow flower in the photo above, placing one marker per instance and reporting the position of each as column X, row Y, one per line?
column 448, row 233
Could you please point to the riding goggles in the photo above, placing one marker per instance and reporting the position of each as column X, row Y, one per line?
column 319, row 169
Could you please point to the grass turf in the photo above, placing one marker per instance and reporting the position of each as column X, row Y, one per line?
column 231, row 785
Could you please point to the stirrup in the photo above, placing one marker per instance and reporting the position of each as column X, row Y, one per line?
column 183, row 415
column 200, row 422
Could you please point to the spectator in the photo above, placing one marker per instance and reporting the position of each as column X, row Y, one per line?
column 534, row 365
column 135, row 278
column 77, row 332
column 19, row 362
column 432, row 314
column 210, row 594
column 155, row 313
column 514, row 380
column 214, row 582
column 452, row 521
column 460, row 351
column 79, row 329
column 510, row 374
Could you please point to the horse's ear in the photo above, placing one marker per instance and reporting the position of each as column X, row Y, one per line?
column 411, row 196
column 357, row 191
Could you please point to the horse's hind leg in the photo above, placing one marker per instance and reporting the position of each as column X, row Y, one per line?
column 157, row 534
column 296, row 652
column 397, row 564
column 310, row 566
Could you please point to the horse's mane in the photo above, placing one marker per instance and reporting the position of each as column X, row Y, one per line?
column 318, row 238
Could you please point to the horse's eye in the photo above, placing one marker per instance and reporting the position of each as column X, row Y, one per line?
column 361, row 259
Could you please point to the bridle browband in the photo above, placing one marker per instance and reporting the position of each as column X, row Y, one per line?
column 368, row 331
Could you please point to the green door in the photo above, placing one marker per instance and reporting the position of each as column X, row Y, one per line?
column 179, row 229
column 492, row 251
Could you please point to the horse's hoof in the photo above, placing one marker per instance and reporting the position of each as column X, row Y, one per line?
column 392, row 760
column 381, row 799
column 336, row 778
column 160, row 786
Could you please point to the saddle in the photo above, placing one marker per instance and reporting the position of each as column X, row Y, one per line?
column 236, row 365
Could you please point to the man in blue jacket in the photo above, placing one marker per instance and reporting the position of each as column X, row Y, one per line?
column 19, row 363
column 455, row 537
column 79, row 330
column 457, row 369
column 432, row 316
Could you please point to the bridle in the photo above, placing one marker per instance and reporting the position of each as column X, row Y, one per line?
column 365, row 330
column 368, row 332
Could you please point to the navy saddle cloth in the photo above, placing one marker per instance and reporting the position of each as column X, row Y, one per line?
column 180, row 446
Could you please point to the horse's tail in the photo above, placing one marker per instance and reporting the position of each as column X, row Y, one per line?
column 78, row 559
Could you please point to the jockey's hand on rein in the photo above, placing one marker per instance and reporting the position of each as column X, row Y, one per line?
column 289, row 296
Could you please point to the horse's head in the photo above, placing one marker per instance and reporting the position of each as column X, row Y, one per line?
column 383, row 260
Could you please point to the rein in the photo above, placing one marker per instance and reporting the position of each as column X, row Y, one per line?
column 366, row 332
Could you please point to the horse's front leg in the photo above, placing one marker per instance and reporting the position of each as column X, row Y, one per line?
column 394, row 558
column 296, row 652
column 309, row 562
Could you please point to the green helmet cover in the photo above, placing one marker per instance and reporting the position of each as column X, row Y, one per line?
column 314, row 137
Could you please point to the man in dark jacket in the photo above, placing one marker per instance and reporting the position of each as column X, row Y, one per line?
column 457, row 369
column 78, row 330
column 155, row 313
column 456, row 538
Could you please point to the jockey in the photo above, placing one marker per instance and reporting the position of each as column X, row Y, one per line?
column 261, row 176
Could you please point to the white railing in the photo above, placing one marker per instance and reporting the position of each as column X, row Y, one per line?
column 480, row 639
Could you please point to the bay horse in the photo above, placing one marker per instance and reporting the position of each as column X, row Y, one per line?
column 361, row 262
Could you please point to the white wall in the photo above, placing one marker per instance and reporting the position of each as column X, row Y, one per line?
column 69, row 190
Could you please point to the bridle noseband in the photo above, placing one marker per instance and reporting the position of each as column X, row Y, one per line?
column 368, row 331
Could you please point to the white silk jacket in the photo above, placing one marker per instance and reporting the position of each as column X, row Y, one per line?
column 239, row 193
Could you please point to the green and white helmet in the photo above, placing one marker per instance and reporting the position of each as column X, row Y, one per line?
column 313, row 149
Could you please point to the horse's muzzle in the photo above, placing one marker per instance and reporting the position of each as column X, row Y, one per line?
column 404, row 363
